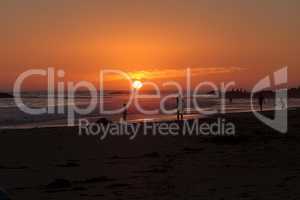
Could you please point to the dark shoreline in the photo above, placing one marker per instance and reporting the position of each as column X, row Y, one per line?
column 233, row 116
column 256, row 163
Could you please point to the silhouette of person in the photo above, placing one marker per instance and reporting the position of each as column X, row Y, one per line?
column 180, row 103
column 261, row 100
column 124, row 112
column 230, row 98
column 283, row 103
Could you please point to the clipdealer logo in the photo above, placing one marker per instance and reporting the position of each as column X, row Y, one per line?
column 59, row 91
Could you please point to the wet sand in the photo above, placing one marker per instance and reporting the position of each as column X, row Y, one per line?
column 56, row 163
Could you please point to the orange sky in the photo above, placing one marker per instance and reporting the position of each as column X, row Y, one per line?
column 220, row 40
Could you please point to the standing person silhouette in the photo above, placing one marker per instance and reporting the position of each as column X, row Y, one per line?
column 230, row 98
column 261, row 100
column 283, row 103
column 124, row 112
column 180, row 103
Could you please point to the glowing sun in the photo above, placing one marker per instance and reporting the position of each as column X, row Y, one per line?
column 137, row 84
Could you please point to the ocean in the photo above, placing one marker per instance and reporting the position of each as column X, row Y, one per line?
column 12, row 117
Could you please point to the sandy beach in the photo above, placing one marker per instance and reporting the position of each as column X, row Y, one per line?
column 57, row 163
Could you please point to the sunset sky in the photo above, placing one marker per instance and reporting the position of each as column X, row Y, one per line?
column 152, row 40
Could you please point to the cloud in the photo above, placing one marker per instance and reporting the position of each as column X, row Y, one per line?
column 173, row 73
column 177, row 73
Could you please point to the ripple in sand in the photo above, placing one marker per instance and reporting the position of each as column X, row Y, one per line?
column 100, row 179
column 58, row 183
column 14, row 167
column 68, row 164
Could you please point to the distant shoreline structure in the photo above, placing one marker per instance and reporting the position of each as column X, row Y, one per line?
column 242, row 93
column 5, row 95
